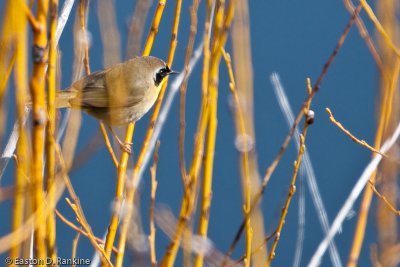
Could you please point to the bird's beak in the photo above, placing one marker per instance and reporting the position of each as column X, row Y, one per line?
column 173, row 72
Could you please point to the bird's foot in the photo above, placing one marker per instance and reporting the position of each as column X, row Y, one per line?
column 125, row 146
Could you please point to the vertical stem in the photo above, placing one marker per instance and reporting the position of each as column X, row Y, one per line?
column 37, row 85
column 50, row 130
column 292, row 188
column 388, row 116
column 130, row 191
column 221, row 27
column 21, row 87
column 243, row 69
column 83, row 7
column 242, row 132
column 182, row 106
column 152, row 236
column 119, row 195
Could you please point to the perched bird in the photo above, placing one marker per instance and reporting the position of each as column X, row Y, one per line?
column 120, row 94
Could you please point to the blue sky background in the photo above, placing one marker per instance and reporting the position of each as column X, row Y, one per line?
column 293, row 38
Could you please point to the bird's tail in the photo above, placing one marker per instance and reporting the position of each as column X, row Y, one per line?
column 64, row 97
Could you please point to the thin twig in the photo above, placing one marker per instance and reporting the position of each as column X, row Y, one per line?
column 75, row 248
column 79, row 229
column 244, row 150
column 152, row 236
column 365, row 35
column 77, row 208
column 183, row 88
column 137, row 27
column 292, row 189
column 108, row 144
column 383, row 198
column 311, row 178
column 36, row 25
column 355, row 139
column 379, row 27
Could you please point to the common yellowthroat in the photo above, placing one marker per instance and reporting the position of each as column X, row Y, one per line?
column 120, row 94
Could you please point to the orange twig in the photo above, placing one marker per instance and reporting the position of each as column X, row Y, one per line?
column 355, row 139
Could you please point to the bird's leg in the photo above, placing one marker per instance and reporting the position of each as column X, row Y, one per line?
column 127, row 147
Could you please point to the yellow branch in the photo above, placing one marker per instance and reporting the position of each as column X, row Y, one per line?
column 36, row 26
column 365, row 35
column 119, row 194
column 152, row 236
column 24, row 231
column 75, row 247
column 4, row 79
column 8, row 32
column 182, row 106
column 388, row 88
column 130, row 190
column 50, row 130
column 245, row 159
column 21, row 88
column 108, row 144
column 39, row 118
column 379, row 27
column 209, row 93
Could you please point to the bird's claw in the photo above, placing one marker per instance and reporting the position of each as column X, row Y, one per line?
column 127, row 147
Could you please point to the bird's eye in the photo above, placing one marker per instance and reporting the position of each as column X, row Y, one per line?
column 161, row 74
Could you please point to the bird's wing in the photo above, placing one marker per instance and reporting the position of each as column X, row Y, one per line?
column 104, row 89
